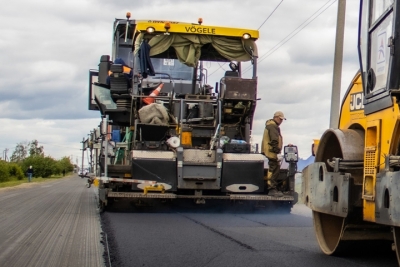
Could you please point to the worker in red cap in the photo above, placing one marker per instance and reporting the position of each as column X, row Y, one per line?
column 271, row 146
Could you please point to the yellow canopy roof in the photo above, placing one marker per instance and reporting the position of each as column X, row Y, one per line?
column 192, row 28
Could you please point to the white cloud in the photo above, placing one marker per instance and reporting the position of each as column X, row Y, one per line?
column 58, row 137
column 48, row 47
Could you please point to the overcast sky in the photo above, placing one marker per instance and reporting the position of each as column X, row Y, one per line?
column 47, row 48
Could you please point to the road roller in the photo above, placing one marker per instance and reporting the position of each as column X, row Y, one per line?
column 353, row 186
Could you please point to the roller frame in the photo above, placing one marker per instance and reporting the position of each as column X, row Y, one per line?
column 318, row 195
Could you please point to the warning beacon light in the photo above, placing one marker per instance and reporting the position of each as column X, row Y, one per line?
column 167, row 26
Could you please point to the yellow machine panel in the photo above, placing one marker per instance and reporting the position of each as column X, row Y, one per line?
column 190, row 28
column 356, row 195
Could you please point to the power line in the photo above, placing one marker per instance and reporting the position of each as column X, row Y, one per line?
column 289, row 36
column 270, row 14
column 58, row 145
column 294, row 33
column 305, row 23
column 220, row 66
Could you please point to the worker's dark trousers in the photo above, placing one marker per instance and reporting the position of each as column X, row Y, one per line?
column 273, row 173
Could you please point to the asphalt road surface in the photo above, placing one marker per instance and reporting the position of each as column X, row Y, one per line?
column 58, row 224
column 209, row 237
column 55, row 223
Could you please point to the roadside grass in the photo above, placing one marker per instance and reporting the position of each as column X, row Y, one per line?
column 14, row 181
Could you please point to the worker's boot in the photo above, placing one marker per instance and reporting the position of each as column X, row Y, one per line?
column 274, row 193
column 267, row 185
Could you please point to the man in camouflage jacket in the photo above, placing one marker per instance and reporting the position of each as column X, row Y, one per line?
column 271, row 146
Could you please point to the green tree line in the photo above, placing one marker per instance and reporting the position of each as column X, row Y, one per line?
column 31, row 154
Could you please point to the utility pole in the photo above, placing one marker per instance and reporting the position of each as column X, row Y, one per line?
column 104, row 132
column 83, row 151
column 96, row 166
column 337, row 64
column 5, row 154
column 91, row 151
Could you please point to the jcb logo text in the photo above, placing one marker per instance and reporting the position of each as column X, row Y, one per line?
column 356, row 101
